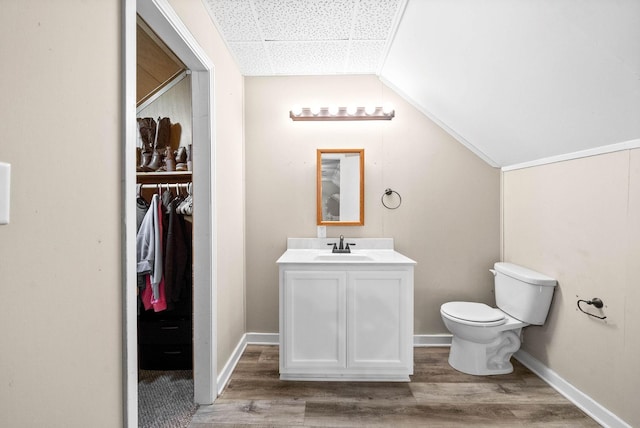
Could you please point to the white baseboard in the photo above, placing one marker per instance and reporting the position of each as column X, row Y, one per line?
column 427, row 340
column 263, row 338
column 587, row 404
column 232, row 362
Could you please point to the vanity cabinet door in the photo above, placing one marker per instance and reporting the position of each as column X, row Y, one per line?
column 380, row 320
column 314, row 320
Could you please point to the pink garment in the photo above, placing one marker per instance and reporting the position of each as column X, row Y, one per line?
column 158, row 302
column 148, row 301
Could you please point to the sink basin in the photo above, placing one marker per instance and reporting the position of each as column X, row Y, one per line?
column 370, row 251
column 347, row 257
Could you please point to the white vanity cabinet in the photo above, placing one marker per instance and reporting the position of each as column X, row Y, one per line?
column 346, row 321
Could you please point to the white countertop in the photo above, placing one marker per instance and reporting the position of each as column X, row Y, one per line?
column 365, row 251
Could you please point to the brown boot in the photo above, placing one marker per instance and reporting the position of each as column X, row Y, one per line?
column 181, row 155
column 147, row 128
column 164, row 134
column 155, row 163
column 169, row 160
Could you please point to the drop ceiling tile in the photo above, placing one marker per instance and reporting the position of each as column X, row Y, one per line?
column 305, row 19
column 308, row 57
column 252, row 58
column 234, row 19
column 293, row 31
column 365, row 56
column 374, row 19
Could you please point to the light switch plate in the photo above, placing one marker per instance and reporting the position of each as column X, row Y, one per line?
column 5, row 186
column 322, row 231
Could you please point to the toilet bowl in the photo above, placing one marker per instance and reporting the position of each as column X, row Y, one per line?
column 485, row 338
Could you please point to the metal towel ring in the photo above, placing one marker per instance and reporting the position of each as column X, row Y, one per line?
column 389, row 192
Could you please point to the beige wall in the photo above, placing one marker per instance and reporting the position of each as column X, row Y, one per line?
column 60, row 257
column 229, row 177
column 579, row 221
column 449, row 218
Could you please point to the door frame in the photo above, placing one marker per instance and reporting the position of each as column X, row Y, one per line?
column 161, row 17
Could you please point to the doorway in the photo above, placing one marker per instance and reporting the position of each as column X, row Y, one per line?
column 163, row 20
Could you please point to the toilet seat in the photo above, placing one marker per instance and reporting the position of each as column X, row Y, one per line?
column 473, row 313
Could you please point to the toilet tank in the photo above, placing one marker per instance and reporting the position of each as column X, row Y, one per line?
column 523, row 293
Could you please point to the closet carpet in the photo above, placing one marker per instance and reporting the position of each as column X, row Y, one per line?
column 165, row 398
column 437, row 396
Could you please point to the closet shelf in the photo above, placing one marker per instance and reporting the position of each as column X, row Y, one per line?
column 164, row 177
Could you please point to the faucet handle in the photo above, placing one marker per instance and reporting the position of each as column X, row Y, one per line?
column 335, row 246
column 347, row 247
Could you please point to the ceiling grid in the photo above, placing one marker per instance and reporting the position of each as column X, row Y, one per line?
column 306, row 37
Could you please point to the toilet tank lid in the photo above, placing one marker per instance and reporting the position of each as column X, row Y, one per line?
column 523, row 274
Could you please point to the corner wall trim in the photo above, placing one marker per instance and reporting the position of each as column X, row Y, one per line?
column 449, row 130
column 626, row 145
column 587, row 404
column 232, row 362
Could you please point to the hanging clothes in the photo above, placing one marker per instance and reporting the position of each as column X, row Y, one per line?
column 150, row 256
column 141, row 207
column 176, row 254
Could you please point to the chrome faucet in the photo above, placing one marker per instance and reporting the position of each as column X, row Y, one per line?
column 342, row 248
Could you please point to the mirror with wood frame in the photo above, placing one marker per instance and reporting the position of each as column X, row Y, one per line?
column 340, row 187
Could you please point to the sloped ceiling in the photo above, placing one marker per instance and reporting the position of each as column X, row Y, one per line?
column 519, row 80
column 156, row 65
column 513, row 80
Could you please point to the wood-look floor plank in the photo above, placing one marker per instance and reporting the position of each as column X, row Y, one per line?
column 478, row 393
column 259, row 389
column 438, row 396
column 384, row 414
column 431, row 365
column 559, row 415
column 289, row 412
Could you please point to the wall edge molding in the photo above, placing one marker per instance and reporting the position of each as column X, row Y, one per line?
column 232, row 362
column 587, row 404
column 459, row 138
column 611, row 148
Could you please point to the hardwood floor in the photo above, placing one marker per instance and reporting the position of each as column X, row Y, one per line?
column 437, row 396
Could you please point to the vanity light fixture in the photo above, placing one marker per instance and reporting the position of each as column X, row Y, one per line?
column 342, row 113
column 296, row 110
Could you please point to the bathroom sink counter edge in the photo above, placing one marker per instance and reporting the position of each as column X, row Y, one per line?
column 367, row 251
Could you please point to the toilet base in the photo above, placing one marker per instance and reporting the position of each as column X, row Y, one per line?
column 483, row 359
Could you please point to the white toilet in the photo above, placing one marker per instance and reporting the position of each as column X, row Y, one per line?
column 484, row 338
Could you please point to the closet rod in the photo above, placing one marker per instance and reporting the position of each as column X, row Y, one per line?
column 165, row 185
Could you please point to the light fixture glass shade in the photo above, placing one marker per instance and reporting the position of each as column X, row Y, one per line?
column 334, row 112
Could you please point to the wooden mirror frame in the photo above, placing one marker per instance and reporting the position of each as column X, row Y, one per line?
column 320, row 220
